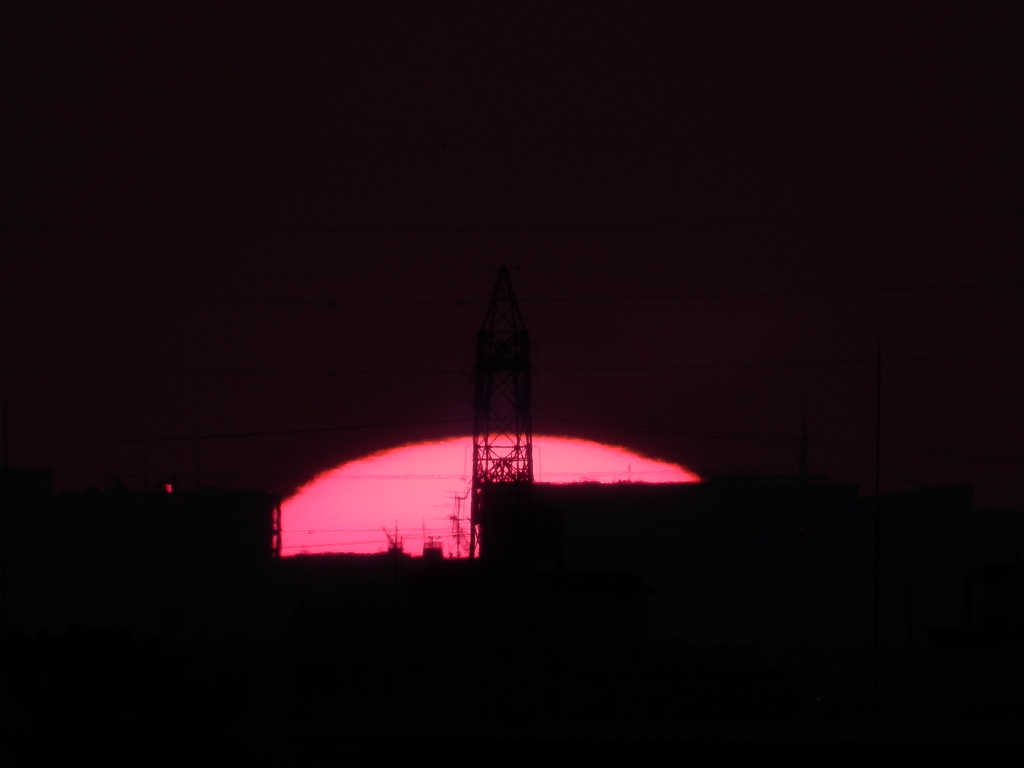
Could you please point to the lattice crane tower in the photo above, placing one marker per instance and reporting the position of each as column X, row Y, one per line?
column 502, row 432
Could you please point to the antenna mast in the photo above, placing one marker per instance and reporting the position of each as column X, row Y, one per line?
column 457, row 533
column 502, row 431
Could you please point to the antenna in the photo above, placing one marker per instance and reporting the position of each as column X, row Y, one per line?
column 457, row 533
column 502, row 430
column 394, row 540
column 803, row 438
column 6, row 530
column 878, row 533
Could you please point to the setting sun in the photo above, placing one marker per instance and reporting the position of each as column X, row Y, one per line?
column 418, row 490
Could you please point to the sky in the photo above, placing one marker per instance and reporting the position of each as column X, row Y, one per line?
column 243, row 245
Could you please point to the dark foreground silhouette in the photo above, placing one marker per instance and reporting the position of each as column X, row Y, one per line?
column 99, row 694
column 727, row 619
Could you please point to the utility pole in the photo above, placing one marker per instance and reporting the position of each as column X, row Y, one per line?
column 6, row 528
column 198, row 483
column 878, row 531
column 803, row 439
column 502, row 431
column 456, row 519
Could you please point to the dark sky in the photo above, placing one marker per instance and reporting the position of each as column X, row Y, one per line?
column 253, row 221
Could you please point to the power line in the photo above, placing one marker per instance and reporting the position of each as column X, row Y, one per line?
column 793, row 292
column 505, row 228
column 784, row 363
column 668, row 297
column 224, row 435
column 446, row 530
column 341, row 372
column 638, row 428
column 782, row 439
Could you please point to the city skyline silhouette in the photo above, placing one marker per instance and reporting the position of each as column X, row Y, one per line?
column 777, row 246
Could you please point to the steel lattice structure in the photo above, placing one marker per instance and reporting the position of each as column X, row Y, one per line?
column 502, row 432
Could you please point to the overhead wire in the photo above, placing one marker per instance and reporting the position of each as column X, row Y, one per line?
column 463, row 372
column 225, row 435
column 783, row 439
column 642, row 298
column 455, row 229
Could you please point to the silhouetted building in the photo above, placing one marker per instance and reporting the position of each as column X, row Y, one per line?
column 156, row 562
column 1004, row 600
column 739, row 596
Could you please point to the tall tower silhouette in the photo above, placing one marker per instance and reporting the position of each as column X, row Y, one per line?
column 500, row 512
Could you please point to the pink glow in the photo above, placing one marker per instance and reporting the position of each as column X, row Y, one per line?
column 413, row 487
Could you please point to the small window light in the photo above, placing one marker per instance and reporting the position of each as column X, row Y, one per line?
column 168, row 488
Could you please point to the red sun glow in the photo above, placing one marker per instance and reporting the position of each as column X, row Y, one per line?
column 414, row 487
